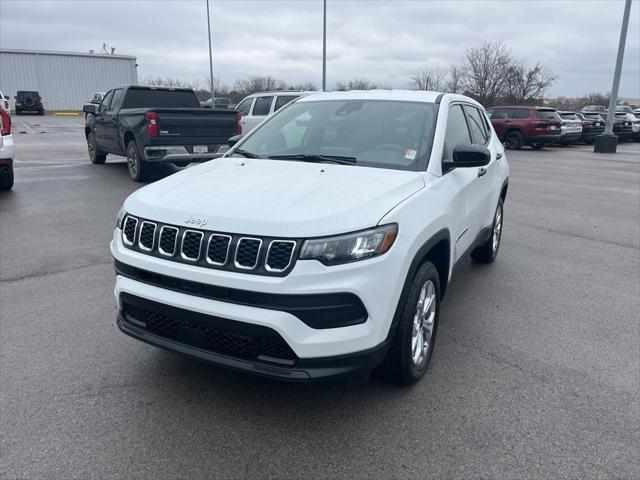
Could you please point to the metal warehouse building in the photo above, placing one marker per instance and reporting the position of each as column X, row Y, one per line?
column 65, row 80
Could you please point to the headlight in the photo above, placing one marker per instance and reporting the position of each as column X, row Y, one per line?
column 120, row 217
column 351, row 246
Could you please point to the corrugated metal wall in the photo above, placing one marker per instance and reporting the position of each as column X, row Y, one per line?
column 65, row 80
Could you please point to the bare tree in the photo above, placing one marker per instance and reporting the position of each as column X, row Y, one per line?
column 305, row 86
column 428, row 79
column 527, row 85
column 167, row 82
column 484, row 71
column 255, row 84
column 355, row 84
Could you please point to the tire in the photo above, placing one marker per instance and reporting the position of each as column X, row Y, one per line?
column 6, row 179
column 590, row 141
column 412, row 345
column 41, row 112
column 139, row 169
column 18, row 111
column 95, row 155
column 514, row 140
column 537, row 146
column 488, row 251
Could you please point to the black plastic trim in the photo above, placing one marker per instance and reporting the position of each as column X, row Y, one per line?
column 319, row 311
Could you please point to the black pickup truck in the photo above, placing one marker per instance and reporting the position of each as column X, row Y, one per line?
column 150, row 125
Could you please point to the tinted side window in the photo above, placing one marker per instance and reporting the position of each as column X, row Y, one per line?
column 519, row 113
column 476, row 125
column 499, row 114
column 244, row 106
column 116, row 101
column 262, row 106
column 457, row 132
column 282, row 100
column 106, row 101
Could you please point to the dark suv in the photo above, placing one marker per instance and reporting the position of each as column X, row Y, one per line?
column 520, row 125
column 29, row 101
column 592, row 126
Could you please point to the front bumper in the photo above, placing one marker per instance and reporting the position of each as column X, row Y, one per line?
column 237, row 345
column 178, row 153
column 377, row 282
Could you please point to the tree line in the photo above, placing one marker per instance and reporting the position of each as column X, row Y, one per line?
column 489, row 73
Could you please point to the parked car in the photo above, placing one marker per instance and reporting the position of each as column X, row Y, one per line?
column 594, row 108
column 522, row 125
column 151, row 125
column 571, row 127
column 624, row 109
column 7, row 153
column 592, row 126
column 28, row 101
column 622, row 126
column 4, row 102
column 322, row 243
column 635, row 123
column 223, row 103
column 259, row 106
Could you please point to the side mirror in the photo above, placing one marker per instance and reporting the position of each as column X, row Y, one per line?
column 466, row 155
column 89, row 108
column 233, row 140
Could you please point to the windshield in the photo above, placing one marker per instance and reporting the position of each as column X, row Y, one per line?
column 548, row 114
column 376, row 133
column 569, row 116
column 154, row 98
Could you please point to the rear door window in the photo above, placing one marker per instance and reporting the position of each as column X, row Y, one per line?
column 282, row 100
column 262, row 106
column 519, row 113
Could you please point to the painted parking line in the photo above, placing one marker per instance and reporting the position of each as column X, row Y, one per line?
column 25, row 125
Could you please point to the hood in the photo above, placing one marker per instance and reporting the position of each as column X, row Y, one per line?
column 275, row 197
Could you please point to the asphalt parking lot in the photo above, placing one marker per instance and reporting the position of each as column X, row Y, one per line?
column 536, row 372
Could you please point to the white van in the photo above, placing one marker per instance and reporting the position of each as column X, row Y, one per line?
column 258, row 106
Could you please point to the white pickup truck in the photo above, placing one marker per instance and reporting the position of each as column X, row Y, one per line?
column 322, row 243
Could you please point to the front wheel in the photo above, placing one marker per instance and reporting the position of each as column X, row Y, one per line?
column 514, row 140
column 412, row 345
column 95, row 155
column 139, row 169
column 488, row 251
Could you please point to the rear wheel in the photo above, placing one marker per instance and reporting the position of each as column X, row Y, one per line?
column 6, row 178
column 18, row 111
column 412, row 345
column 514, row 140
column 95, row 155
column 488, row 251
column 139, row 169
column 41, row 112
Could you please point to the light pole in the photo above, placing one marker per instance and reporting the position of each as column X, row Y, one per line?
column 608, row 142
column 210, row 54
column 324, row 46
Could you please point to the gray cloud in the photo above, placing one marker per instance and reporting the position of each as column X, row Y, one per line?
column 384, row 41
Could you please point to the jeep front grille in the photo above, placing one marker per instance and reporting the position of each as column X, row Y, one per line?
column 224, row 251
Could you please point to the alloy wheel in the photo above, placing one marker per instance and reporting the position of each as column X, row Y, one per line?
column 423, row 323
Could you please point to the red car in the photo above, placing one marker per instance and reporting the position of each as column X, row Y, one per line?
column 521, row 125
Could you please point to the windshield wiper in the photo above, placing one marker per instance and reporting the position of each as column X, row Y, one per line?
column 310, row 157
column 244, row 153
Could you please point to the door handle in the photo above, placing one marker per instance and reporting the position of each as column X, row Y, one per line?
column 481, row 171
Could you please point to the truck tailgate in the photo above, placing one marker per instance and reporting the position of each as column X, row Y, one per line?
column 195, row 126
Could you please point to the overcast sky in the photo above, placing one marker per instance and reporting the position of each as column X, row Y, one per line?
column 384, row 41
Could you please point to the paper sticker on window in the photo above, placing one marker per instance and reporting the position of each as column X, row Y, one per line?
column 410, row 154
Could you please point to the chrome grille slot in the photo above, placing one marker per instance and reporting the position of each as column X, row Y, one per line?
column 279, row 255
column 129, row 230
column 218, row 249
column 146, row 240
column 168, row 241
column 191, row 241
column 247, row 253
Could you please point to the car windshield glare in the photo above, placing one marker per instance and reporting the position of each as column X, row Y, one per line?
column 376, row 133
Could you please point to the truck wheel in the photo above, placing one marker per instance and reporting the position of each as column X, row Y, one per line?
column 488, row 251
column 95, row 155
column 139, row 169
column 514, row 140
column 412, row 345
column 6, row 178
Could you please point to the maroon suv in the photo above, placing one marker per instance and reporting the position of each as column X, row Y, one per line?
column 517, row 126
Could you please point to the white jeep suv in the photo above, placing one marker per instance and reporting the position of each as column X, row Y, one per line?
column 322, row 243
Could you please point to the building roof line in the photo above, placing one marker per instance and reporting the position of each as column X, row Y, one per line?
column 73, row 54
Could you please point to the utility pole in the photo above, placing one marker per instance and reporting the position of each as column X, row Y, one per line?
column 210, row 54
column 324, row 46
column 608, row 142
